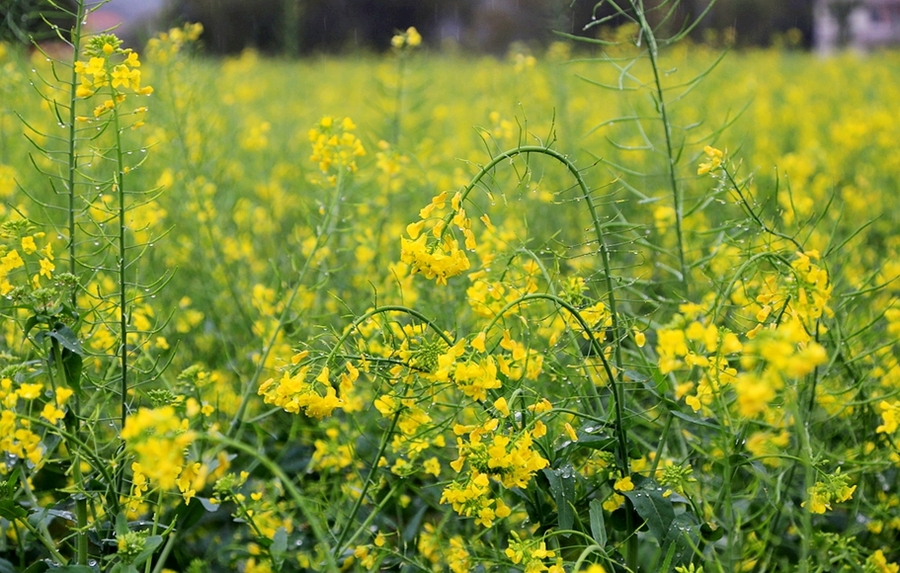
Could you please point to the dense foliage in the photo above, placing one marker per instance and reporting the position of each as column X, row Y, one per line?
column 421, row 312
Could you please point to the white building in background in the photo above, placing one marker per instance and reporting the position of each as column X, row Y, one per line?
column 858, row 24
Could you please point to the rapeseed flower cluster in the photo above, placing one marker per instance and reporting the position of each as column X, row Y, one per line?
column 532, row 554
column 109, row 66
column 431, row 248
column 508, row 459
column 158, row 438
column 335, row 148
column 695, row 345
column 835, row 489
column 772, row 358
column 20, row 439
column 28, row 284
column 163, row 47
column 441, row 552
column 407, row 40
column 295, row 391
column 20, row 253
column 714, row 159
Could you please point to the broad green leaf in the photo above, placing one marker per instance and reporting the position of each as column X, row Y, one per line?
column 11, row 510
column 208, row 505
column 278, row 550
column 562, row 487
column 598, row 525
column 72, row 365
column 666, row 565
column 188, row 514
column 66, row 338
column 603, row 442
column 121, row 524
column 654, row 509
column 683, row 536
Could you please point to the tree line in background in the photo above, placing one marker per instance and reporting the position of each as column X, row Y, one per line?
column 305, row 26
column 297, row 27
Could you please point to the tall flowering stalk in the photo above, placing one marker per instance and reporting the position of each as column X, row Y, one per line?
column 112, row 75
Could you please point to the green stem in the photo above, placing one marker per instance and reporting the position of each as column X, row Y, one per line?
column 81, row 509
column 595, row 219
column 167, row 548
column 321, row 238
column 380, row 310
column 119, row 189
column 377, row 510
column 677, row 195
column 631, row 544
column 81, row 515
column 42, row 534
column 73, row 159
column 382, row 447
column 46, row 542
column 154, row 527
column 614, row 382
column 809, row 475
column 398, row 110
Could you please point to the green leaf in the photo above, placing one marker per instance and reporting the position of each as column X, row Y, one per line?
column 11, row 509
column 654, row 509
column 278, row 550
column 66, row 338
column 188, row 514
column 74, row 569
column 682, row 538
column 9, row 486
column 150, row 545
column 667, row 562
column 72, row 363
column 208, row 505
column 603, row 442
column 6, row 566
column 121, row 524
column 694, row 420
column 711, row 534
column 32, row 321
column 562, row 487
column 598, row 525
column 414, row 526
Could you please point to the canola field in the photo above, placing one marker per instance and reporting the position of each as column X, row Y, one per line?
column 599, row 308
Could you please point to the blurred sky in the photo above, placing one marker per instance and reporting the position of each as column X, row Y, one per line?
column 122, row 11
